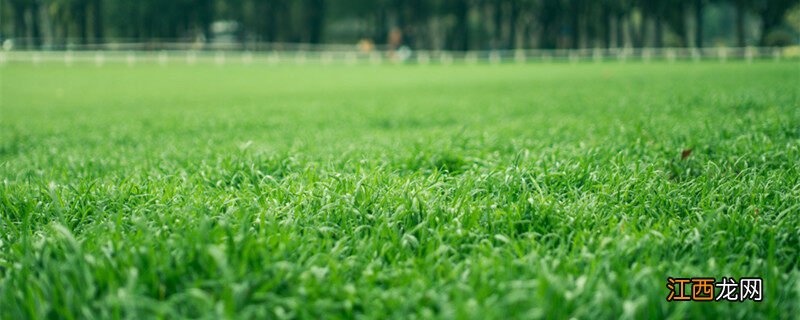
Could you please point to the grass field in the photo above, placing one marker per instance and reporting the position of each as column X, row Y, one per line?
column 511, row 191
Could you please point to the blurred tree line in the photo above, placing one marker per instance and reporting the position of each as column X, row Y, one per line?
column 424, row 24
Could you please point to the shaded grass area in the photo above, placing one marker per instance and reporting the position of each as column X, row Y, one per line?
column 512, row 191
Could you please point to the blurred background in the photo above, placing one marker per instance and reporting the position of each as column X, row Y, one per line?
column 455, row 25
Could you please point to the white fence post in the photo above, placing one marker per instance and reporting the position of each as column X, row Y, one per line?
column 131, row 59
column 445, row 58
column 748, row 53
column 247, row 58
column 494, row 57
column 163, row 59
column 695, row 53
column 352, row 58
column 191, row 57
column 375, row 58
column 519, row 56
column 274, row 58
column 99, row 58
column 471, row 58
column 219, row 58
column 300, row 57
column 622, row 55
column 671, row 56
column 327, row 58
column 423, row 58
column 68, row 58
column 647, row 55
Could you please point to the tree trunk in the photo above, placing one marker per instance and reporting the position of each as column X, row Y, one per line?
column 512, row 21
column 97, row 12
column 35, row 28
column 268, row 25
column 608, row 27
column 548, row 17
column 497, row 38
column 659, row 32
column 642, row 36
column 620, row 32
column 83, row 22
column 766, row 27
column 462, row 26
column 633, row 32
column 680, row 26
column 698, row 23
column 19, row 20
column 381, row 30
column 740, row 35
column 45, row 24
column 575, row 24
column 315, row 10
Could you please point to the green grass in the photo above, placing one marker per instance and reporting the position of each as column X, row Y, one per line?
column 396, row 191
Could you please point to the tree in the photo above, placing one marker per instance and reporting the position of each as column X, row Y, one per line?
column 698, row 23
column 447, row 24
column 771, row 13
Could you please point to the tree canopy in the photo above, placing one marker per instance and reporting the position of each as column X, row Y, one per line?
column 423, row 24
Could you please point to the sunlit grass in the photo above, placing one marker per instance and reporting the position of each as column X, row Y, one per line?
column 444, row 191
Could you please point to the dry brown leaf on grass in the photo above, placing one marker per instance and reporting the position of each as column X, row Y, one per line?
column 686, row 153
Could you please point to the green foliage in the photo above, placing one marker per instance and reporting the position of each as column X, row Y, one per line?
column 511, row 191
column 422, row 24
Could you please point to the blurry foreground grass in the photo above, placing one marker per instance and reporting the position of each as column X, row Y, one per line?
column 452, row 192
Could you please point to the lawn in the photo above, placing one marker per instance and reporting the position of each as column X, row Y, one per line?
column 505, row 191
